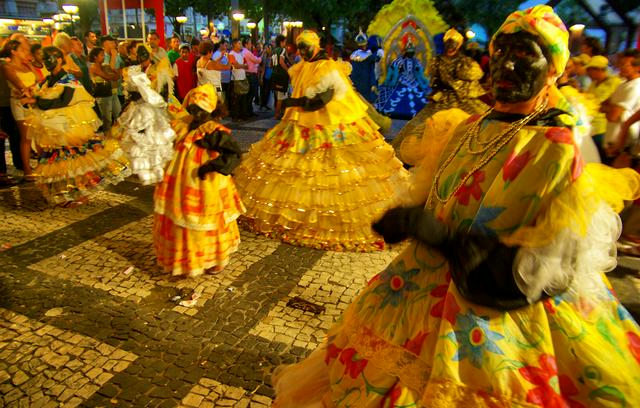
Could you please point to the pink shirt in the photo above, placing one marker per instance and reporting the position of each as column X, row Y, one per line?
column 251, row 60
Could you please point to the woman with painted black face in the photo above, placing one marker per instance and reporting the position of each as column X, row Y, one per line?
column 73, row 158
column 198, row 235
column 159, row 73
column 324, row 173
column 501, row 298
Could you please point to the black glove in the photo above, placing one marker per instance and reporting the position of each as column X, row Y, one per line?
column 401, row 223
column 230, row 152
column 481, row 266
column 309, row 104
column 208, row 167
column 293, row 102
column 211, row 140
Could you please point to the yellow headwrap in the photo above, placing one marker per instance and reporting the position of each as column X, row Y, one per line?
column 309, row 37
column 204, row 96
column 453, row 34
column 542, row 22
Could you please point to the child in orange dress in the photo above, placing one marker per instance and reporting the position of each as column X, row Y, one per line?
column 196, row 203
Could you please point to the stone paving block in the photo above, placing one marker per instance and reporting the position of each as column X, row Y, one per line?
column 329, row 283
column 51, row 377
column 132, row 245
column 22, row 219
column 212, row 393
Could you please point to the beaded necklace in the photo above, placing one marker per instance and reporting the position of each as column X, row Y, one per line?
column 488, row 149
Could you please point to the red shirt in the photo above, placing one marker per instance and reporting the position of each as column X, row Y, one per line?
column 186, row 73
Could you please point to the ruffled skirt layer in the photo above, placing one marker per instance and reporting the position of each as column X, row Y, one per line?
column 185, row 251
column 66, row 173
column 146, row 137
column 320, row 187
column 415, row 127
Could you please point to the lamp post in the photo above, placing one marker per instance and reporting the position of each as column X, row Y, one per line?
column 237, row 17
column 251, row 26
column 181, row 20
column 575, row 37
column 71, row 10
column 49, row 22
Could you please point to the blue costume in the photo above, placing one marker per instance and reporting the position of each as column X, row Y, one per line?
column 363, row 63
column 405, row 89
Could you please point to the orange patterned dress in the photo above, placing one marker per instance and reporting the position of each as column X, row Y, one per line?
column 195, row 225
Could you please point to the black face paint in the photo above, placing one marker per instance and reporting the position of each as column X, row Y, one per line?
column 451, row 46
column 50, row 61
column 519, row 67
column 194, row 109
column 142, row 54
column 305, row 50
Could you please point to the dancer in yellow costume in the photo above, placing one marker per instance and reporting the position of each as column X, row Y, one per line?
column 196, row 204
column 321, row 175
column 455, row 83
column 500, row 300
column 161, row 76
column 62, row 126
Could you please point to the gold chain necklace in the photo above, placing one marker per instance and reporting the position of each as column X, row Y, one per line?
column 487, row 149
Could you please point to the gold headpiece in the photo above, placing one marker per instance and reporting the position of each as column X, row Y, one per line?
column 204, row 96
column 453, row 34
column 308, row 37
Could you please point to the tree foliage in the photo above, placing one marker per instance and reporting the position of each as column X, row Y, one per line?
column 175, row 8
column 320, row 13
column 211, row 8
column 489, row 14
column 88, row 13
column 571, row 13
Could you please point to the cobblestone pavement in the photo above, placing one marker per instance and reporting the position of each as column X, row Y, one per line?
column 87, row 319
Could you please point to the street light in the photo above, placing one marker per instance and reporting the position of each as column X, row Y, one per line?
column 181, row 20
column 70, row 8
column 238, row 15
column 251, row 25
column 576, row 27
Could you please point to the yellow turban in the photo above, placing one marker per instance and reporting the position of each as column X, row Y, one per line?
column 542, row 22
column 309, row 37
column 204, row 96
column 453, row 34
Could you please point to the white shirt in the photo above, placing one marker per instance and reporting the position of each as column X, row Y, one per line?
column 209, row 76
column 238, row 73
column 626, row 96
column 223, row 59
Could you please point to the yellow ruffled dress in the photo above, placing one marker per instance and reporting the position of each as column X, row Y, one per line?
column 320, row 178
column 72, row 157
column 195, row 225
column 411, row 340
